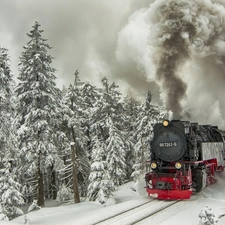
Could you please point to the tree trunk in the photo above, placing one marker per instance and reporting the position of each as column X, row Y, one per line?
column 142, row 155
column 75, row 180
column 40, row 184
column 67, row 173
column 53, row 185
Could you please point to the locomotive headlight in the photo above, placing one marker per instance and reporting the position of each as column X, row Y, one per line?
column 165, row 123
column 153, row 165
column 178, row 165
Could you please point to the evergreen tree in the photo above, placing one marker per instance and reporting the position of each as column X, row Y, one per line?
column 38, row 108
column 148, row 115
column 7, row 130
column 116, row 153
column 107, row 125
column 108, row 106
column 101, row 186
column 11, row 199
column 90, row 94
column 131, row 107
column 76, row 124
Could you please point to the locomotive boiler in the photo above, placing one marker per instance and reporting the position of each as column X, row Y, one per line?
column 184, row 159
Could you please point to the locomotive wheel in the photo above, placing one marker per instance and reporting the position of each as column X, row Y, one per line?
column 197, row 179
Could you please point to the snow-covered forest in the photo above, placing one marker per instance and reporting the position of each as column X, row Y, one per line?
column 83, row 140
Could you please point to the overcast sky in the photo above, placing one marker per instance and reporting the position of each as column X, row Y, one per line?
column 175, row 49
column 83, row 35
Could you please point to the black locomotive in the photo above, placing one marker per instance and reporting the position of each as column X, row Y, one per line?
column 184, row 158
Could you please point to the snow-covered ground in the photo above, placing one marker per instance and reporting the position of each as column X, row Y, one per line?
column 186, row 213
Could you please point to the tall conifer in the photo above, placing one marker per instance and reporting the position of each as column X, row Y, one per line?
column 38, row 109
column 10, row 197
column 107, row 125
column 76, row 117
column 148, row 115
column 7, row 130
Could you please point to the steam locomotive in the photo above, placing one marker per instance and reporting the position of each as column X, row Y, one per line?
column 184, row 159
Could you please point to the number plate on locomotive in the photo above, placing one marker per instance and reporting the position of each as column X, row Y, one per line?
column 168, row 144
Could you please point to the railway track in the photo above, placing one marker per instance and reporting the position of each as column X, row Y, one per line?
column 104, row 214
column 138, row 213
column 168, row 212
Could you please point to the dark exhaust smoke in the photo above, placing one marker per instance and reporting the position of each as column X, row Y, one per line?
column 183, row 31
column 174, row 52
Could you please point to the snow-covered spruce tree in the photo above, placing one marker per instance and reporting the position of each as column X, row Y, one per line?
column 76, row 122
column 116, row 153
column 148, row 115
column 7, row 109
column 108, row 113
column 11, row 199
column 101, row 186
column 131, row 106
column 90, row 95
column 38, row 106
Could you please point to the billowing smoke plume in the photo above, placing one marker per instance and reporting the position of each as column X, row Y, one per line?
column 183, row 31
column 180, row 45
column 175, row 33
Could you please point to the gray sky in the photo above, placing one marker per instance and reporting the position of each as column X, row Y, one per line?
column 125, row 41
column 83, row 35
